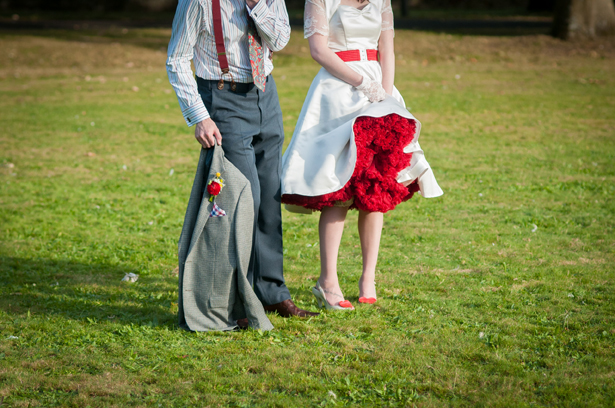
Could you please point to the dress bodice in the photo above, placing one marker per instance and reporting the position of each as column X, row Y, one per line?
column 347, row 27
column 352, row 29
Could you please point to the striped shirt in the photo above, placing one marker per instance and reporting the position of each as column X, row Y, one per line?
column 193, row 38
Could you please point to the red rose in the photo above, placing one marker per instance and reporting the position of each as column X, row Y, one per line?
column 213, row 188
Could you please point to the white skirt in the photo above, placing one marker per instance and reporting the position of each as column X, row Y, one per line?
column 321, row 156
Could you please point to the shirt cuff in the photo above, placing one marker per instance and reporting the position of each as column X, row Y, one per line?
column 259, row 12
column 196, row 113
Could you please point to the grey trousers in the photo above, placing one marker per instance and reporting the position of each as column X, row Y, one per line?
column 250, row 122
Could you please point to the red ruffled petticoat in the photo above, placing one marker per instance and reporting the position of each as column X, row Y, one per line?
column 380, row 157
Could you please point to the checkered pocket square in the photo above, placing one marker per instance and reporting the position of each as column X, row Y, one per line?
column 217, row 211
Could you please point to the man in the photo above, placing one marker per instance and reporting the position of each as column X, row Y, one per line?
column 241, row 113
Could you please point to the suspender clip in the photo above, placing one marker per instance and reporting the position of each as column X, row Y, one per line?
column 221, row 81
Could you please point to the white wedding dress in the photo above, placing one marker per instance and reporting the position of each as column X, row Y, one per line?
column 322, row 154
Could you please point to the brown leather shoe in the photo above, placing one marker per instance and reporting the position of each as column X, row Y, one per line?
column 243, row 323
column 287, row 308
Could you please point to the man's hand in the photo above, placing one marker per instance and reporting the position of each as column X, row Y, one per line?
column 207, row 133
column 251, row 3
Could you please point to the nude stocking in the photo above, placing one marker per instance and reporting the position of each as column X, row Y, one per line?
column 370, row 230
column 330, row 229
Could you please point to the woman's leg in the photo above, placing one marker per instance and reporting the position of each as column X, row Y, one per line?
column 370, row 230
column 330, row 230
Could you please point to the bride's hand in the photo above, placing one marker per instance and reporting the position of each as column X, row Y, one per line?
column 372, row 89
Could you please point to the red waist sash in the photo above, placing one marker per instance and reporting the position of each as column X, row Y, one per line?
column 358, row 55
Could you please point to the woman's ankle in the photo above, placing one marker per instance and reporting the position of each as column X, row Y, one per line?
column 367, row 286
column 328, row 283
column 367, row 278
column 332, row 290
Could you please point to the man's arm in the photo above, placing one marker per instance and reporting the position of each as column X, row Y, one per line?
column 271, row 22
column 186, row 26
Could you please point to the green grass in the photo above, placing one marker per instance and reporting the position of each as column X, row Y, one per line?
column 500, row 293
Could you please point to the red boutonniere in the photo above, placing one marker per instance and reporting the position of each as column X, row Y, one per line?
column 214, row 186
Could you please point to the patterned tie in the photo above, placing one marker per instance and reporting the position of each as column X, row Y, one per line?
column 257, row 60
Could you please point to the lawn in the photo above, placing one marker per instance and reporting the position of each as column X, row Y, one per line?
column 499, row 293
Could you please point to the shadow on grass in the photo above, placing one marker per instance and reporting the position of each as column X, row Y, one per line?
column 129, row 31
column 155, row 40
column 89, row 292
column 98, row 32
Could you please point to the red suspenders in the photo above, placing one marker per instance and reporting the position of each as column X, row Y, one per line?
column 220, row 49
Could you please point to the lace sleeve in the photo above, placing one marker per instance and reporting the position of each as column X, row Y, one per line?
column 387, row 15
column 315, row 19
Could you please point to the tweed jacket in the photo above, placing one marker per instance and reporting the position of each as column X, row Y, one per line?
column 214, row 252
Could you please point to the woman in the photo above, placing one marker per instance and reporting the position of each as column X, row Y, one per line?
column 355, row 144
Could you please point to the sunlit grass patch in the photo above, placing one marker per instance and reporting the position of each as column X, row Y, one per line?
column 500, row 293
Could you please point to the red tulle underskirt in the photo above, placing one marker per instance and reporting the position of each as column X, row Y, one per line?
column 380, row 157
